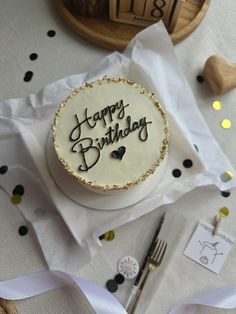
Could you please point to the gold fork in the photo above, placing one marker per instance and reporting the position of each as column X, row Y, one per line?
column 154, row 260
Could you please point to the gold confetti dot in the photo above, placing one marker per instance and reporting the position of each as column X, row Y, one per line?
column 226, row 123
column 216, row 105
column 16, row 199
column 109, row 235
column 226, row 176
column 224, row 211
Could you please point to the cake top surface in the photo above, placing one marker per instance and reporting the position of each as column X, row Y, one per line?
column 110, row 134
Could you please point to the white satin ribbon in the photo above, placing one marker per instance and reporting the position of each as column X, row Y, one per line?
column 100, row 299
column 36, row 283
column 223, row 298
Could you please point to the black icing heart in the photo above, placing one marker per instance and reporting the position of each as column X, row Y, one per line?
column 118, row 153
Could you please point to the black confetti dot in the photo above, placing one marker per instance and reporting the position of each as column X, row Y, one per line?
column 51, row 33
column 119, row 278
column 3, row 169
column 28, row 76
column 33, row 56
column 101, row 237
column 111, row 285
column 200, row 78
column 18, row 190
column 23, row 230
column 225, row 193
column 187, row 163
column 176, row 173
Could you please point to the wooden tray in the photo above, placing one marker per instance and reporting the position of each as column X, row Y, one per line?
column 116, row 36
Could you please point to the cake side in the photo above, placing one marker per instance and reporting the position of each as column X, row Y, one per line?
column 110, row 134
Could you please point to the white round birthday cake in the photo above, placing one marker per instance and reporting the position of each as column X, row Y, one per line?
column 111, row 135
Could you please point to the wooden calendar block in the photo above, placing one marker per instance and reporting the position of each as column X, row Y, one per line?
column 90, row 8
column 124, row 6
column 139, row 7
column 146, row 12
column 175, row 14
column 158, row 9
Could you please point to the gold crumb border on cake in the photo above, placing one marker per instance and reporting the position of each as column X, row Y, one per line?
column 142, row 90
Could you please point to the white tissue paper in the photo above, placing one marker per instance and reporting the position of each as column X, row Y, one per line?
column 68, row 232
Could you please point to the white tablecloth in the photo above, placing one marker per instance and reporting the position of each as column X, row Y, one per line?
column 23, row 30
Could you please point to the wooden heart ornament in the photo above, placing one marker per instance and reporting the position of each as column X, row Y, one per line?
column 220, row 74
column 118, row 153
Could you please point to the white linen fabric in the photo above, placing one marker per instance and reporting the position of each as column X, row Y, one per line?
column 101, row 301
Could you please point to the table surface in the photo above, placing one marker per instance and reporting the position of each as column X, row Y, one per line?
column 23, row 30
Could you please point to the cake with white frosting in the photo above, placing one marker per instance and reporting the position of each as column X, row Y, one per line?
column 111, row 134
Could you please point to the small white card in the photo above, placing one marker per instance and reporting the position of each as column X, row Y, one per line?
column 207, row 249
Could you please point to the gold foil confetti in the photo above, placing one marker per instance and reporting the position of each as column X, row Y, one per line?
column 109, row 235
column 226, row 176
column 223, row 211
column 16, row 199
column 216, row 105
column 225, row 123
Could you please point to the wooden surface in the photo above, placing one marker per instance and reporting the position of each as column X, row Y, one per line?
column 116, row 36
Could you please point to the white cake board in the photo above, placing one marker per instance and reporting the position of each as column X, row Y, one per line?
column 83, row 196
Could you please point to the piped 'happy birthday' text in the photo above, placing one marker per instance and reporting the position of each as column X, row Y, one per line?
column 114, row 133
